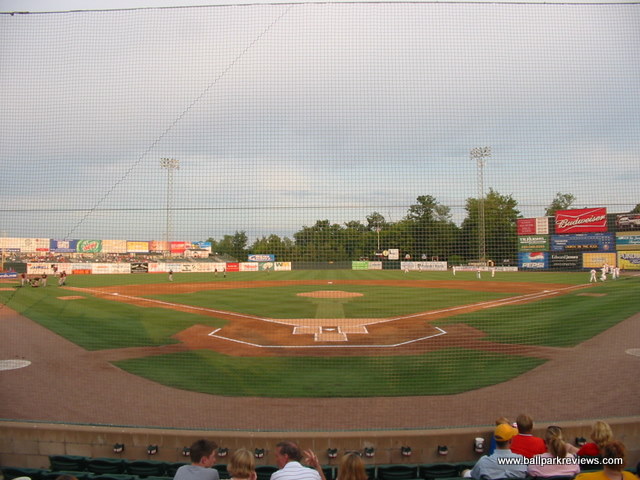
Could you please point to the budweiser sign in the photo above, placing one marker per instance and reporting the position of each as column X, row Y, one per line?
column 581, row 220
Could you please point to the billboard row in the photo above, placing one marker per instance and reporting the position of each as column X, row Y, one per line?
column 583, row 242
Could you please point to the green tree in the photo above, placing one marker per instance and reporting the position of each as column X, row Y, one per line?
column 636, row 209
column 233, row 245
column 562, row 201
column 321, row 242
column 501, row 214
column 431, row 231
column 282, row 248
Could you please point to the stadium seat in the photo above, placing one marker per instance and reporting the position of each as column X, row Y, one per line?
column 264, row 472
column 52, row 475
column 439, row 470
column 115, row 476
column 222, row 471
column 146, row 468
column 371, row 472
column 103, row 466
column 397, row 472
column 67, row 463
column 328, row 472
column 9, row 473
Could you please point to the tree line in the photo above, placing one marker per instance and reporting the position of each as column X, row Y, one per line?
column 427, row 231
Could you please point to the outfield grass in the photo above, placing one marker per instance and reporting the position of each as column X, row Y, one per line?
column 562, row 321
column 97, row 324
column 443, row 372
column 375, row 302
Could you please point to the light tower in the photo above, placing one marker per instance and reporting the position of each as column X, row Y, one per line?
column 480, row 154
column 170, row 164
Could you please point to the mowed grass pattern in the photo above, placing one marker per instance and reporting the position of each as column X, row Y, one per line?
column 443, row 372
column 96, row 324
column 375, row 302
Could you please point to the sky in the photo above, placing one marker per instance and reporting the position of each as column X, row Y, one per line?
column 284, row 114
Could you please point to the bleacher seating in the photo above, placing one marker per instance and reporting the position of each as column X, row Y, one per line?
column 86, row 468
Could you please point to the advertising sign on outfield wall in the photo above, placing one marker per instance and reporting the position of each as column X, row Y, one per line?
column 283, row 266
column 533, row 226
column 179, row 247
column 201, row 246
column 114, row 246
column 89, row 246
column 628, row 221
column 533, row 243
column 597, row 260
column 249, row 267
column 261, row 257
column 628, row 241
column 137, row 247
column 533, row 260
column 266, row 266
column 629, row 260
column 233, row 267
column 139, row 267
column 375, row 265
column 565, row 261
column 158, row 246
column 32, row 245
column 583, row 242
column 359, row 265
column 63, row 246
column 108, row 268
column 581, row 220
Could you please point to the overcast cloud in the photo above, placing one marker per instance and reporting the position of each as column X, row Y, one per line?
column 285, row 114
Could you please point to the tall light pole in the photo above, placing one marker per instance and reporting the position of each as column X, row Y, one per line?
column 480, row 154
column 170, row 164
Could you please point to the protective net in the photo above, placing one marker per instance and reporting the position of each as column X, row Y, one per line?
column 355, row 209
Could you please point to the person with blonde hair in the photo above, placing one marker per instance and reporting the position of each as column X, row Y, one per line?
column 600, row 435
column 557, row 449
column 242, row 465
column 614, row 459
column 351, row 467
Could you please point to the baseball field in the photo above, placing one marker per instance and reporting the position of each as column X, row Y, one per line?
column 337, row 333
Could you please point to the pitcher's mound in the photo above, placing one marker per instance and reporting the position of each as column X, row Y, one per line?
column 330, row 294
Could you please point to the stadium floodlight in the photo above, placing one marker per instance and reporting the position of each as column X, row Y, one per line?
column 480, row 154
column 170, row 164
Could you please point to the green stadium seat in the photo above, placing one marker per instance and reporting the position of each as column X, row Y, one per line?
column 103, row 466
column 52, row 475
column 115, row 476
column 67, row 463
column 264, row 472
column 146, row 468
column 9, row 473
column 397, row 472
column 222, row 471
column 328, row 471
column 173, row 467
column 439, row 470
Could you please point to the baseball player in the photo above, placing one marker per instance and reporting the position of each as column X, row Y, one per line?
column 593, row 278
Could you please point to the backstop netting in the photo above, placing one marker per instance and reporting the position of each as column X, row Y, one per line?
column 320, row 205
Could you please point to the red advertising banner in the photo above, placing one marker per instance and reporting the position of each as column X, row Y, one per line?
column 526, row 226
column 533, row 226
column 582, row 220
column 179, row 247
column 233, row 267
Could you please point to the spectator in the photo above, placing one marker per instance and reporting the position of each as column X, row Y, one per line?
column 489, row 467
column 203, row 456
column 552, row 463
column 600, row 435
column 351, row 467
column 615, row 454
column 288, row 458
column 242, row 465
column 524, row 442
column 492, row 443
